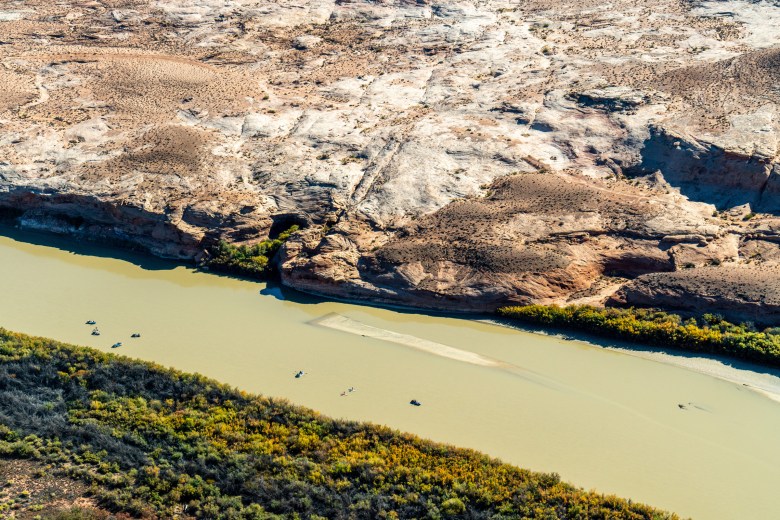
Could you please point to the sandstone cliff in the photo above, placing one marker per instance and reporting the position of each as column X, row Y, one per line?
column 458, row 155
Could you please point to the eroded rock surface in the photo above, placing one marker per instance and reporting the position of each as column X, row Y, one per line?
column 536, row 237
column 458, row 155
column 743, row 293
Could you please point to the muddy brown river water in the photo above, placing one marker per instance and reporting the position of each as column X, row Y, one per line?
column 604, row 420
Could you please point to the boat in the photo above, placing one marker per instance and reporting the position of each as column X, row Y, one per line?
column 415, row 402
column 135, row 335
column 299, row 374
column 117, row 344
column 91, row 322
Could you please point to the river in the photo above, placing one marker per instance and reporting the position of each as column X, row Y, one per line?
column 602, row 419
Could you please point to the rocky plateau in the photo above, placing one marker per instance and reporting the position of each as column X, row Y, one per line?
column 458, row 156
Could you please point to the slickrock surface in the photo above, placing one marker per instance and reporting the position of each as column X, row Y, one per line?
column 452, row 155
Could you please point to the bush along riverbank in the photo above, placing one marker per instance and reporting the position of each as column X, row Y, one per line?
column 154, row 442
column 249, row 261
column 708, row 334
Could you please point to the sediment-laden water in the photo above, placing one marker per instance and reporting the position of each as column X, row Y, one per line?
column 608, row 420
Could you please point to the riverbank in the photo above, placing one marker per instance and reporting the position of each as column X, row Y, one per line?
column 592, row 415
column 708, row 333
column 760, row 379
column 182, row 441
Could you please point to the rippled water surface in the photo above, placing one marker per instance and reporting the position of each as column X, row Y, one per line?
column 602, row 419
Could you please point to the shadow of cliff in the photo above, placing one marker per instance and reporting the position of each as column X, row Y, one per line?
column 704, row 172
column 275, row 289
column 75, row 246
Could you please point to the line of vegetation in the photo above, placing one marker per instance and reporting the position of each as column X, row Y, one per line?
column 155, row 442
column 710, row 333
column 251, row 261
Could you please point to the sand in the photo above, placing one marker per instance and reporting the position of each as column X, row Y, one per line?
column 345, row 324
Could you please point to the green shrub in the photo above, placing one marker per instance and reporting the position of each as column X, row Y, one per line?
column 453, row 506
column 251, row 261
column 77, row 513
column 152, row 442
column 710, row 334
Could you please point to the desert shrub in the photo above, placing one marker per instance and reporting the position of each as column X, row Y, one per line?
column 77, row 513
column 710, row 334
column 154, row 442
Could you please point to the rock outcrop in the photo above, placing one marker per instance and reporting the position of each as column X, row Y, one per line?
column 455, row 156
column 743, row 293
column 536, row 237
